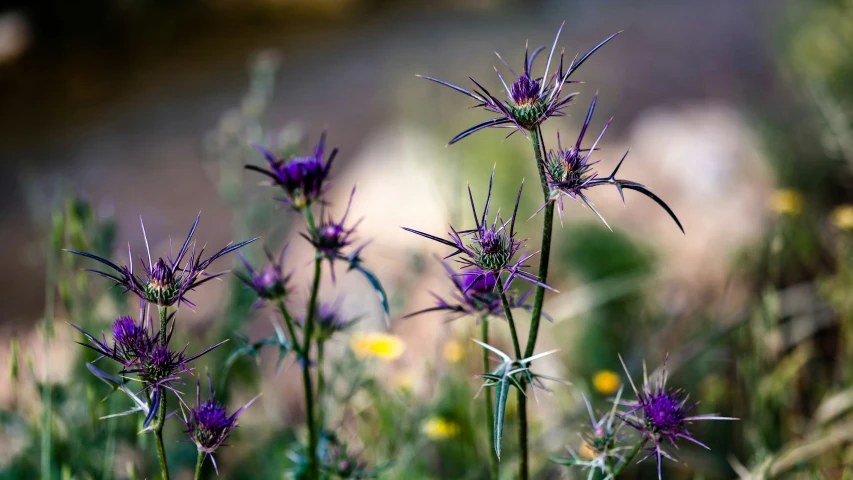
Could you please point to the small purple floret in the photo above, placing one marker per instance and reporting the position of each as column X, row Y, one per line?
column 209, row 424
column 660, row 414
column 302, row 178
column 489, row 249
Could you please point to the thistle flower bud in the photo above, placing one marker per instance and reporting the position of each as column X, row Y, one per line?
column 131, row 340
column 165, row 282
column 661, row 415
column 302, row 178
column 270, row 283
column 488, row 250
column 530, row 100
column 209, row 424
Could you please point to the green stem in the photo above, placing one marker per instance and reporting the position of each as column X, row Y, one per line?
column 321, row 387
column 313, row 465
column 523, row 455
column 161, row 451
column 509, row 320
column 523, row 469
column 309, row 218
column 199, row 463
column 288, row 321
column 545, row 251
column 630, row 457
column 161, row 411
column 490, row 415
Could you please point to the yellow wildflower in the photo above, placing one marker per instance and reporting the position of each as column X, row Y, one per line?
column 785, row 201
column 377, row 345
column 437, row 428
column 453, row 352
column 842, row 217
column 606, row 382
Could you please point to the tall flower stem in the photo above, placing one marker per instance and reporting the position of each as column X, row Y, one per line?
column 490, row 415
column 198, row 464
column 321, row 387
column 523, row 469
column 630, row 457
column 313, row 464
column 161, row 411
column 288, row 321
column 538, row 299
column 509, row 320
column 545, row 251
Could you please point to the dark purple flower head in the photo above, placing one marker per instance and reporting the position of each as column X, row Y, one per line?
column 530, row 100
column 331, row 237
column 475, row 295
column 569, row 172
column 489, row 249
column 662, row 415
column 302, row 178
column 209, row 424
column 269, row 283
column 329, row 320
column 166, row 281
column 132, row 342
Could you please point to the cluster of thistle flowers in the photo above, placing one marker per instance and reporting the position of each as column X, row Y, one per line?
column 660, row 415
column 492, row 257
column 304, row 182
column 147, row 357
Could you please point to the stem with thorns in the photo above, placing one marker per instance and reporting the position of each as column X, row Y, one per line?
column 161, row 410
column 313, row 463
column 321, row 387
column 523, row 469
column 545, row 251
column 288, row 321
column 490, row 415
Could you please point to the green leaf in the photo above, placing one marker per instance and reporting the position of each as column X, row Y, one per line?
column 502, row 393
column 374, row 282
column 117, row 384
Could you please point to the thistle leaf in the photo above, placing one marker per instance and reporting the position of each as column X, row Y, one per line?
column 374, row 282
column 502, row 393
column 117, row 384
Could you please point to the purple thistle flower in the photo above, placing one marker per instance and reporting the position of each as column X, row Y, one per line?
column 269, row 283
column 569, row 173
column 301, row 178
column 328, row 321
column 488, row 249
column 530, row 100
column 132, row 342
column 166, row 282
column 209, row 424
column 331, row 237
column 474, row 295
column 162, row 366
column 662, row 414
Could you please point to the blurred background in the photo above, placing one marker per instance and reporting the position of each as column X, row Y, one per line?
column 736, row 114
